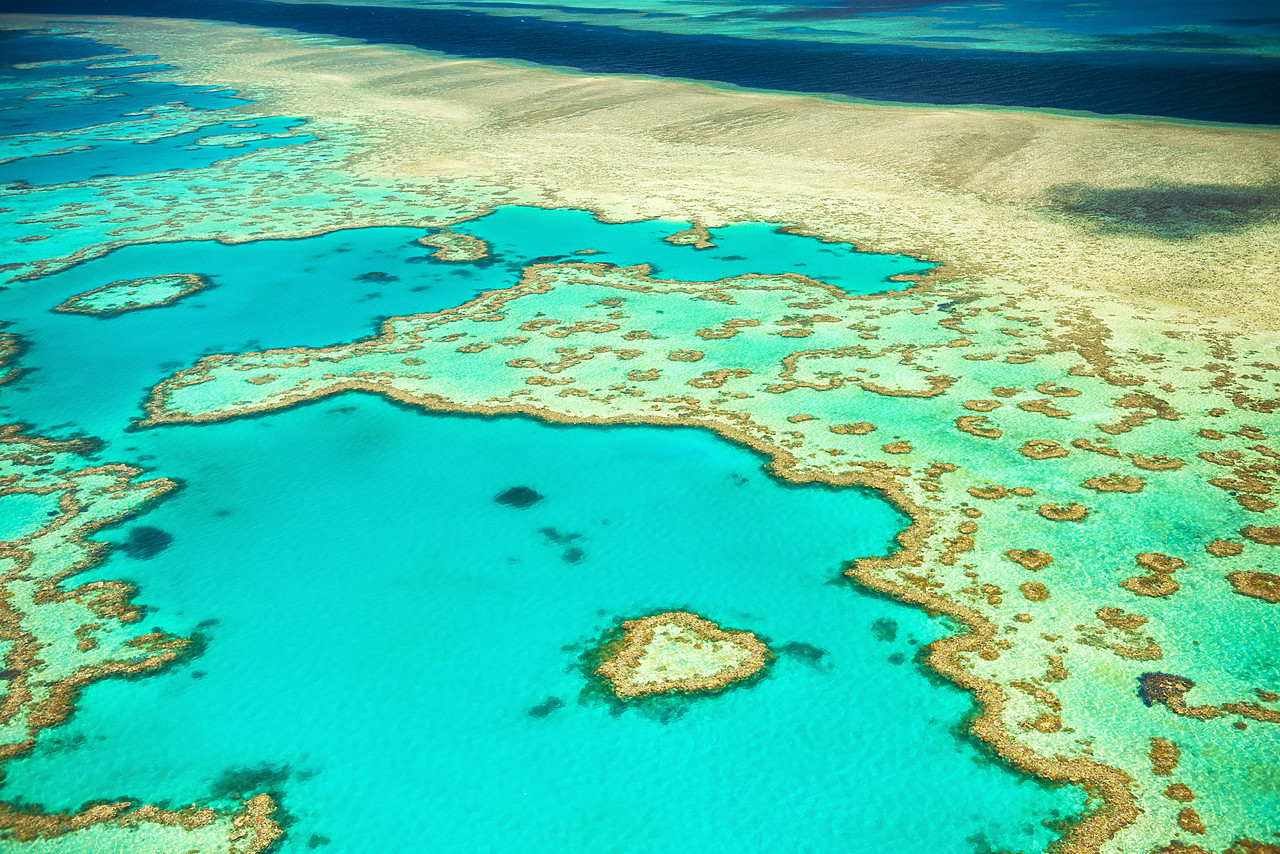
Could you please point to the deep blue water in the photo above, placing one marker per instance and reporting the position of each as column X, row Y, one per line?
column 20, row 47
column 1207, row 87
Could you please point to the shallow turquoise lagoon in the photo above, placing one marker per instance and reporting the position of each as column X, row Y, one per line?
column 383, row 629
column 265, row 296
column 192, row 150
column 93, row 372
column 99, row 103
column 518, row 235
column 24, row 512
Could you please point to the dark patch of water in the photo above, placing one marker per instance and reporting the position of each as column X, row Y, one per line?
column 546, row 707
column 519, row 497
column 885, row 630
column 557, row 537
column 239, row 783
column 23, row 46
column 1168, row 211
column 806, row 652
column 145, row 542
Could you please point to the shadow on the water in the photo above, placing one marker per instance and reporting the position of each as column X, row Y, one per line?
column 1178, row 40
column 241, row 782
column 1168, row 211
column 145, row 542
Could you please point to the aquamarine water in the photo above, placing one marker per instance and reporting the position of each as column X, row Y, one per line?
column 518, row 235
column 264, row 295
column 384, row 627
column 379, row 629
column 107, row 102
column 192, row 150
column 24, row 512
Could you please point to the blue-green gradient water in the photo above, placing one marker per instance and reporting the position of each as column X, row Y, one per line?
column 383, row 638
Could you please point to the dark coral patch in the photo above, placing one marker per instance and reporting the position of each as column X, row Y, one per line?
column 241, row 782
column 546, row 707
column 519, row 497
column 558, row 537
column 1157, row 687
column 146, row 542
column 808, row 653
column 885, row 630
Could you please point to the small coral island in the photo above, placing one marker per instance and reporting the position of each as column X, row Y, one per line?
column 132, row 294
column 451, row 246
column 678, row 651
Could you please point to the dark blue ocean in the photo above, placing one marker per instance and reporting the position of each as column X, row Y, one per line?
column 1202, row 83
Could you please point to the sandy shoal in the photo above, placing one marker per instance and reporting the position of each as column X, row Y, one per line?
column 981, row 190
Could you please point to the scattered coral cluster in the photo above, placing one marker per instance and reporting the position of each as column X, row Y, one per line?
column 1092, row 502
column 58, row 637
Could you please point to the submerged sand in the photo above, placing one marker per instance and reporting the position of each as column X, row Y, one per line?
column 1171, row 219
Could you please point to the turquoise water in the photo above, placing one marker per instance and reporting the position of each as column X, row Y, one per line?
column 379, row 630
column 264, row 296
column 24, row 512
column 192, row 150
column 384, row 627
column 519, row 235
column 98, row 103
